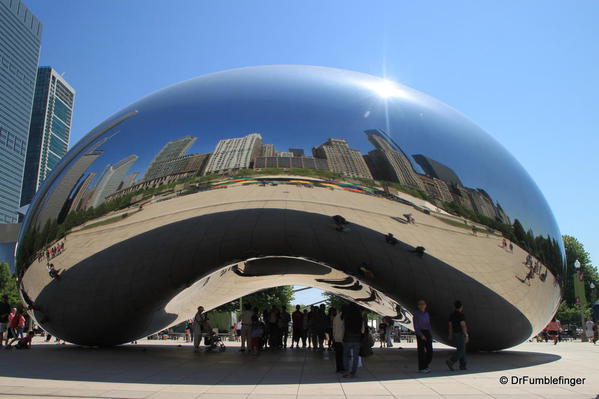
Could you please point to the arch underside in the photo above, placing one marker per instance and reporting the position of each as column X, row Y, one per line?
column 134, row 277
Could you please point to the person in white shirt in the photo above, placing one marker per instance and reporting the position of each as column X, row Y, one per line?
column 338, row 332
column 246, row 326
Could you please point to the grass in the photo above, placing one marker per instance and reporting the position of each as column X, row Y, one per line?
column 107, row 221
column 462, row 225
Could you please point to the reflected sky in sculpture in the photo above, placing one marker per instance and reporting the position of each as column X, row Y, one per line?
column 345, row 130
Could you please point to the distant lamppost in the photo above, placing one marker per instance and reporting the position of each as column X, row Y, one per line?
column 592, row 285
column 577, row 265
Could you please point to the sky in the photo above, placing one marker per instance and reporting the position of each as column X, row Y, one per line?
column 526, row 72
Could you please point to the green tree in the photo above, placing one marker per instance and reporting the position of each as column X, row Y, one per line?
column 335, row 301
column 8, row 286
column 264, row 299
column 570, row 315
column 575, row 251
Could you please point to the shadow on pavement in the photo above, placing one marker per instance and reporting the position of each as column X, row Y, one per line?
column 170, row 364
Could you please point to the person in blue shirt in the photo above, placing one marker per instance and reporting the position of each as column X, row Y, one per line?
column 424, row 339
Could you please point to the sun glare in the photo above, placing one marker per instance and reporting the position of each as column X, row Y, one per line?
column 386, row 89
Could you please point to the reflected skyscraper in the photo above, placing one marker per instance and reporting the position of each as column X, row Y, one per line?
column 50, row 129
column 436, row 169
column 297, row 152
column 391, row 163
column 171, row 150
column 111, row 179
column 267, row 150
column 342, row 159
column 20, row 35
column 234, row 154
column 58, row 198
column 291, row 162
column 81, row 192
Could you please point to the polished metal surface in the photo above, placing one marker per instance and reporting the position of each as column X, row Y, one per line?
column 229, row 183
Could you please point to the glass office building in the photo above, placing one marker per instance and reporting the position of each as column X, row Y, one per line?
column 20, row 35
column 49, row 131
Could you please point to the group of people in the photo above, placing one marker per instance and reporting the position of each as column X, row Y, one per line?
column 12, row 326
column 52, row 251
column 313, row 328
column 554, row 332
column 533, row 269
column 343, row 330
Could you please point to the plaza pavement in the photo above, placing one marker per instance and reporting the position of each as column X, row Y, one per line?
column 163, row 369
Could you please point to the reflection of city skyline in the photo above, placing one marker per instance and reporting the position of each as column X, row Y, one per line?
column 386, row 162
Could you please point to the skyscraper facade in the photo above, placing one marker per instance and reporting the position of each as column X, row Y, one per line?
column 112, row 179
column 234, row 154
column 20, row 35
column 297, row 152
column 171, row 150
column 437, row 170
column 49, row 131
column 342, row 159
column 392, row 163
column 268, row 150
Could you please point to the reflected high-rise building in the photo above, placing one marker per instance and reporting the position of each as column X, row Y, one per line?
column 129, row 180
column 291, row 162
column 57, row 199
column 111, row 179
column 234, row 154
column 267, row 150
column 50, row 129
column 81, row 192
column 342, row 159
column 297, row 152
column 437, row 170
column 390, row 162
column 183, row 164
column 171, row 150
column 20, row 35
column 482, row 203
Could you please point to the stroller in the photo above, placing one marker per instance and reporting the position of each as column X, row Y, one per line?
column 214, row 343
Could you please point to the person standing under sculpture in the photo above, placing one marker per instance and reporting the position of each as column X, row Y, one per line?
column 297, row 321
column 198, row 321
column 274, row 332
column 246, row 326
column 284, row 319
column 305, row 329
column 424, row 339
column 353, row 324
column 458, row 333
column 338, row 332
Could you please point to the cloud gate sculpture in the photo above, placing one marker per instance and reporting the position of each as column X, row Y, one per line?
column 241, row 180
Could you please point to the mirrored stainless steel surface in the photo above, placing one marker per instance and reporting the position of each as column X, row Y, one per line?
column 256, row 177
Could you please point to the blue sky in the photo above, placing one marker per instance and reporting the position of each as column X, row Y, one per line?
column 526, row 72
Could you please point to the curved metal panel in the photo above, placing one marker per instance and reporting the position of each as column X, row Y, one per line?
column 229, row 183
